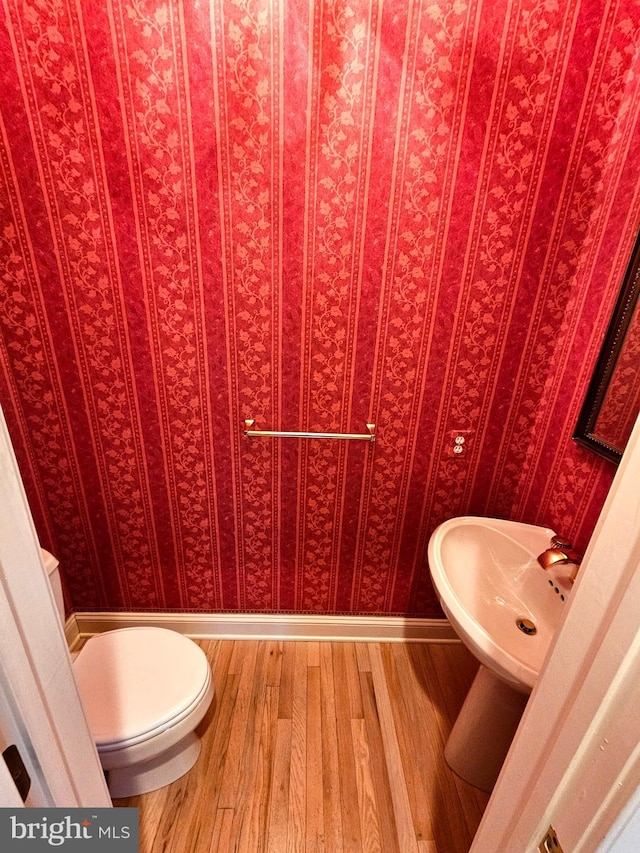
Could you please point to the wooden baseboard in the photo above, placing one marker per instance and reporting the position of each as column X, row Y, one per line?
column 268, row 626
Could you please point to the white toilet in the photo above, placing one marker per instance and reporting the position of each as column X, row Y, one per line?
column 144, row 691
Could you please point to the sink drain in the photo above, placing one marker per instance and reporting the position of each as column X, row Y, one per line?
column 526, row 626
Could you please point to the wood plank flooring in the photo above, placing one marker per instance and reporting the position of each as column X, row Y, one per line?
column 317, row 746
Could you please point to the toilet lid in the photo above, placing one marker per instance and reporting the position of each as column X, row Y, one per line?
column 134, row 681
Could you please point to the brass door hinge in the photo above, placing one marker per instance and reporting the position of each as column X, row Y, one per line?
column 550, row 843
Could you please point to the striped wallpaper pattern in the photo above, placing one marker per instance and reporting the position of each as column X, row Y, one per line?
column 317, row 214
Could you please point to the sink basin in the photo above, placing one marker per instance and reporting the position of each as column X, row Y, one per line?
column 489, row 582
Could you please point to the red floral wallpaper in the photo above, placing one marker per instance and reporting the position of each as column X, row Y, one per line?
column 317, row 214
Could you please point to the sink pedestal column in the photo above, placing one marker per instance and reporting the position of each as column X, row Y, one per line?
column 484, row 729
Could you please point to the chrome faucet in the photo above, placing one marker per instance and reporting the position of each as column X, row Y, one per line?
column 559, row 553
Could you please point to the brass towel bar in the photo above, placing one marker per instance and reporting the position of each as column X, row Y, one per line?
column 267, row 433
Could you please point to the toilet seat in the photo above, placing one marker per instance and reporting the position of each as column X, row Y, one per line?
column 136, row 683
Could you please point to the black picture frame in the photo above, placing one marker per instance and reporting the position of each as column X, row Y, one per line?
column 585, row 432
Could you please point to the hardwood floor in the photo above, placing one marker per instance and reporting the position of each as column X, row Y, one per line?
column 316, row 746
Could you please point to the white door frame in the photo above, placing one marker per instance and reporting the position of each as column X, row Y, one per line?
column 12, row 733
column 575, row 760
column 37, row 680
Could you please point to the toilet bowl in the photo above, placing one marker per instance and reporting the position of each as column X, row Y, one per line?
column 144, row 690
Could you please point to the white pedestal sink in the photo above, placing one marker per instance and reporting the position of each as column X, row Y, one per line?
column 505, row 608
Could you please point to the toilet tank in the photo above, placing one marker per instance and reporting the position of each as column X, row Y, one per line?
column 51, row 565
